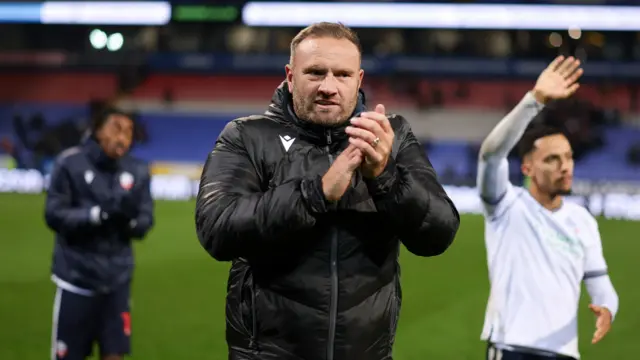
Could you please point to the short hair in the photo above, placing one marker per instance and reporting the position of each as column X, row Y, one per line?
column 324, row 30
column 528, row 140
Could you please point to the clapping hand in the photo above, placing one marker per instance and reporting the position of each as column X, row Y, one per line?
column 372, row 134
column 119, row 207
column 337, row 179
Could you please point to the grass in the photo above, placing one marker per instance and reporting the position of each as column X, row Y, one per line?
column 179, row 291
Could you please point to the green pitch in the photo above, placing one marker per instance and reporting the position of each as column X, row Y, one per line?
column 179, row 291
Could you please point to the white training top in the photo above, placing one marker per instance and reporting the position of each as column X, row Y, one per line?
column 537, row 258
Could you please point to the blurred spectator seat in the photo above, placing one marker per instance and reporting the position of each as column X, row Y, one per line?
column 188, row 137
column 56, row 87
column 431, row 93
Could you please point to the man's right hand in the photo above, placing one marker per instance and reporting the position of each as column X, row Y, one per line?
column 337, row 179
column 558, row 80
column 117, row 206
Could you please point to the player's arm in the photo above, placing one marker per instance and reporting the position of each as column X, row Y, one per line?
column 143, row 222
column 493, row 167
column 234, row 217
column 604, row 298
column 408, row 193
column 557, row 81
column 60, row 213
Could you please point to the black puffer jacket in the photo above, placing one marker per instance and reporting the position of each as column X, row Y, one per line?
column 312, row 280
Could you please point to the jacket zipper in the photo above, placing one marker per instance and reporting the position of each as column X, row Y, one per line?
column 253, row 343
column 333, row 306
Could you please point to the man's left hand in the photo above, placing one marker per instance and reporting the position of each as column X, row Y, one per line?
column 373, row 135
column 129, row 206
column 121, row 205
column 603, row 322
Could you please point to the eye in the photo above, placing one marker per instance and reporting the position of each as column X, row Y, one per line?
column 553, row 159
column 316, row 72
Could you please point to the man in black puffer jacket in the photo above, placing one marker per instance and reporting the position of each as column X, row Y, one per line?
column 311, row 208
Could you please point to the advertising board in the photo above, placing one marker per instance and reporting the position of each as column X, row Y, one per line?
column 610, row 205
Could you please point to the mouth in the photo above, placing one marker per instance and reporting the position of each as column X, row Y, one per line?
column 566, row 179
column 120, row 149
column 325, row 103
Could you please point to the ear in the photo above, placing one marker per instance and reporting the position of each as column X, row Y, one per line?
column 526, row 167
column 360, row 76
column 97, row 133
column 288, row 70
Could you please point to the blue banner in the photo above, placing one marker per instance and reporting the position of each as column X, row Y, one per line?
column 21, row 13
column 391, row 66
column 86, row 12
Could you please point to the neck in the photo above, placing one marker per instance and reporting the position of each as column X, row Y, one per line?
column 97, row 153
column 548, row 201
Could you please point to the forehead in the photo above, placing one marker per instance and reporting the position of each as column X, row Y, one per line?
column 326, row 51
column 552, row 144
column 120, row 121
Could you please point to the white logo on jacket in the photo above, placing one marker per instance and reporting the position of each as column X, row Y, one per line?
column 88, row 177
column 287, row 141
column 126, row 180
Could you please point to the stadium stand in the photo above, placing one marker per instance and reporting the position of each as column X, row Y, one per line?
column 64, row 96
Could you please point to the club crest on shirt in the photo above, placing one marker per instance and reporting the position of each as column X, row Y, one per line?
column 88, row 177
column 565, row 243
column 126, row 180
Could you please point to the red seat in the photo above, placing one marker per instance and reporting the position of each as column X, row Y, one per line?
column 56, row 87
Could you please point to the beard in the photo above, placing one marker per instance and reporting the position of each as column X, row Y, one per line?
column 563, row 192
column 551, row 189
column 561, row 189
column 306, row 109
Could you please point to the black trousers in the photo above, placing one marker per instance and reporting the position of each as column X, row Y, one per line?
column 519, row 353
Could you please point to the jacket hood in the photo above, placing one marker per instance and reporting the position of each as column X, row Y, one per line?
column 281, row 107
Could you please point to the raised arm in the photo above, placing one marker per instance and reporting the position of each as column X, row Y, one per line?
column 493, row 168
column 234, row 216
column 409, row 194
column 557, row 81
column 405, row 190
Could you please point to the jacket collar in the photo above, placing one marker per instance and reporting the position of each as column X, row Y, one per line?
column 282, row 107
column 96, row 155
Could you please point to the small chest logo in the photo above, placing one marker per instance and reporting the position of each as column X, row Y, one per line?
column 287, row 141
column 126, row 181
column 88, row 177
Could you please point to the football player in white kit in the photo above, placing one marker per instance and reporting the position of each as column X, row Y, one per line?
column 539, row 247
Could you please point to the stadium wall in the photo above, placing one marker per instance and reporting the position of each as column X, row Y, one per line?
column 610, row 205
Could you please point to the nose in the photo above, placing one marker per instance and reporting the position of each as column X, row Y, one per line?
column 565, row 166
column 329, row 85
column 122, row 139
